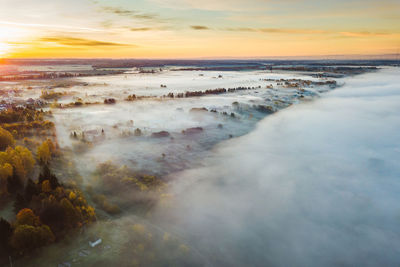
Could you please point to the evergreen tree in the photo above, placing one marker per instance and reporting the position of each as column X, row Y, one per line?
column 31, row 189
column 19, row 203
column 14, row 184
column 45, row 174
column 53, row 181
column 5, row 234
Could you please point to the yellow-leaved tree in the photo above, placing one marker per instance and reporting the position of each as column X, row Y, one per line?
column 6, row 170
column 27, row 159
column 29, row 232
column 6, row 139
column 18, row 160
column 44, row 153
column 46, row 187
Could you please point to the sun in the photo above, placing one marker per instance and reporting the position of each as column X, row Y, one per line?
column 9, row 39
column 4, row 49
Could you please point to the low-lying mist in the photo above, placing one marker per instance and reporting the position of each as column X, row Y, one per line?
column 316, row 184
column 110, row 129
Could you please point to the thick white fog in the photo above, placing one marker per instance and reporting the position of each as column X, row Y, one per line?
column 316, row 184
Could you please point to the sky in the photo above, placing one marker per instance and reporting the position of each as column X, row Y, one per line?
column 197, row 29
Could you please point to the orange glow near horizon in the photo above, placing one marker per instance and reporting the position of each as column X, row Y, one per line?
column 212, row 29
column 248, row 48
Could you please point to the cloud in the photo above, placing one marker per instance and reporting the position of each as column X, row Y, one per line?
column 277, row 30
column 364, row 34
column 307, row 7
column 132, row 14
column 142, row 29
column 199, row 27
column 333, row 34
column 119, row 11
column 315, row 184
column 73, row 41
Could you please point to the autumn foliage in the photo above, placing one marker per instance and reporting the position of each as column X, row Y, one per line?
column 45, row 151
column 6, row 139
column 15, row 166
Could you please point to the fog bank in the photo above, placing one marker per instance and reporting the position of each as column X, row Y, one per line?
column 316, row 184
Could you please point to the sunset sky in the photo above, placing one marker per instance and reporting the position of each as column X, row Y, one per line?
column 197, row 29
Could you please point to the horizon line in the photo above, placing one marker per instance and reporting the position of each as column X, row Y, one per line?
column 386, row 56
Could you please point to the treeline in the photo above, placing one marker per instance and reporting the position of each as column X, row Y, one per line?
column 217, row 91
column 50, row 95
column 210, row 92
column 26, row 121
column 21, row 114
column 56, row 75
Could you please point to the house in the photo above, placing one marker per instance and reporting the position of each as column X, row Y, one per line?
column 95, row 243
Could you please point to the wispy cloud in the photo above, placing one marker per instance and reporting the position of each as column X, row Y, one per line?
column 141, row 29
column 132, row 14
column 364, row 34
column 199, row 27
column 277, row 30
column 336, row 34
column 73, row 41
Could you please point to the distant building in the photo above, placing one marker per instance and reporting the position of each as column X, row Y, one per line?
column 95, row 243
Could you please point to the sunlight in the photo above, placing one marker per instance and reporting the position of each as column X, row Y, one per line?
column 4, row 49
column 9, row 36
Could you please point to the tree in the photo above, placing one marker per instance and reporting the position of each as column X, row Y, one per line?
column 12, row 157
column 45, row 173
column 14, row 184
column 53, row 215
column 6, row 139
column 51, row 145
column 53, row 181
column 44, row 153
column 20, row 202
column 29, row 117
column 26, row 157
column 46, row 187
column 31, row 189
column 72, row 196
column 5, row 234
column 71, row 214
column 27, row 237
column 6, row 171
column 20, row 159
column 27, row 217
